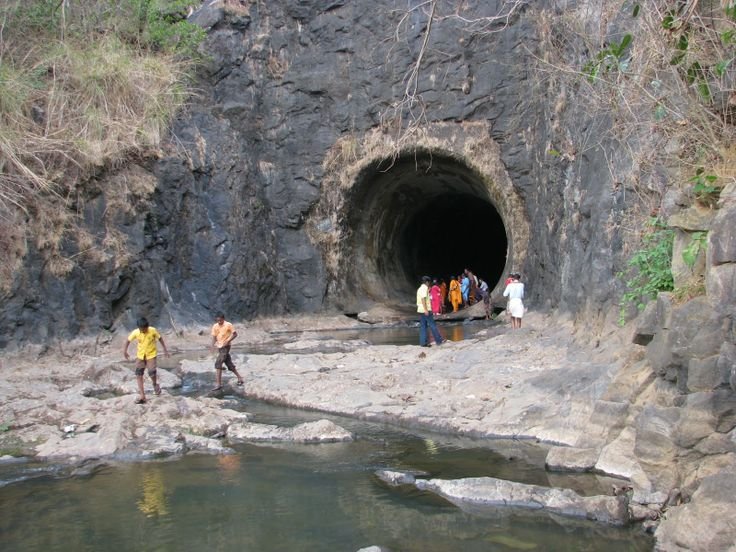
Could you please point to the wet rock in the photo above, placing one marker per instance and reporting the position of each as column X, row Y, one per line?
column 7, row 459
column 322, row 431
column 158, row 442
column 396, row 478
column 491, row 492
column 196, row 443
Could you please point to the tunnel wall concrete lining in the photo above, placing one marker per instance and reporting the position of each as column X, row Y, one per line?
column 370, row 191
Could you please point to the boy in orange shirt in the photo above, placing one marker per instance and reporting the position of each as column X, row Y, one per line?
column 223, row 334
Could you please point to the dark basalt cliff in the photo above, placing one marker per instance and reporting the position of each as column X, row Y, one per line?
column 279, row 192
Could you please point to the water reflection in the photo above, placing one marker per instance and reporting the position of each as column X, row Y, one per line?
column 297, row 498
column 454, row 333
column 153, row 500
column 229, row 467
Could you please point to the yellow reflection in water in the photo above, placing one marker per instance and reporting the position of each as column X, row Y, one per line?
column 454, row 333
column 229, row 467
column 153, row 501
column 431, row 447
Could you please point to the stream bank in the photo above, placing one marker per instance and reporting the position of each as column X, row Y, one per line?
column 539, row 383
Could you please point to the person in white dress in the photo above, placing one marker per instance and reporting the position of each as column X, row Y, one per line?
column 515, row 292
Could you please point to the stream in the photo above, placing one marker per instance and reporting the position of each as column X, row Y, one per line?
column 296, row 497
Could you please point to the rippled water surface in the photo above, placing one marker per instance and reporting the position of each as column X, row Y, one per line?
column 296, row 497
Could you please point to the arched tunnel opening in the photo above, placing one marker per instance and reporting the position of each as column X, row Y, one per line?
column 420, row 214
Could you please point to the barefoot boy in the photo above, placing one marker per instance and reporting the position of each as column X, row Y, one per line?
column 223, row 334
column 145, row 356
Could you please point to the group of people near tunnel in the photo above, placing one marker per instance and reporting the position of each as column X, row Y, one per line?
column 464, row 290
column 434, row 297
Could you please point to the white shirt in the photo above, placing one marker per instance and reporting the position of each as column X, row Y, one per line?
column 515, row 290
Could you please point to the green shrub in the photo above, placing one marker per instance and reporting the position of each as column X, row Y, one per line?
column 168, row 29
column 705, row 188
column 649, row 270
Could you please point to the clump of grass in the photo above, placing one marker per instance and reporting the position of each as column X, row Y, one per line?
column 80, row 93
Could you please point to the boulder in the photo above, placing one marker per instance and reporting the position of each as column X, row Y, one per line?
column 705, row 374
column 397, row 478
column 706, row 523
column 647, row 325
column 383, row 314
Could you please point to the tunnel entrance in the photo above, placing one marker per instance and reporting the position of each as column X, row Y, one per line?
column 421, row 214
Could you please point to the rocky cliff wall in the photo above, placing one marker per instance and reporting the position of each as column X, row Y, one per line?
column 314, row 170
column 231, row 223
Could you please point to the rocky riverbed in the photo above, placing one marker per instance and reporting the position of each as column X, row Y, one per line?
column 598, row 402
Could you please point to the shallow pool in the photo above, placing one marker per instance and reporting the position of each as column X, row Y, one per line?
column 298, row 497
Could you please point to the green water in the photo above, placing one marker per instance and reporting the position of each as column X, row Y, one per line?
column 297, row 497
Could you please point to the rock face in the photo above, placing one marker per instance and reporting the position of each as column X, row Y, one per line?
column 281, row 192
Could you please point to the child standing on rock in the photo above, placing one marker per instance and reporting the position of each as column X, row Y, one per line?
column 223, row 334
column 145, row 356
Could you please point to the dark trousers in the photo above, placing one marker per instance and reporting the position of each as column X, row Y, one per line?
column 223, row 357
column 424, row 321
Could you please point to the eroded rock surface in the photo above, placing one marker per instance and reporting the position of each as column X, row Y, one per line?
column 322, row 431
column 479, row 492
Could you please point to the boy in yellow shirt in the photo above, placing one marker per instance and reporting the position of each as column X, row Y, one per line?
column 145, row 356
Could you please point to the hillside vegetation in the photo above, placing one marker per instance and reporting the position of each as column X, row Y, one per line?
column 84, row 86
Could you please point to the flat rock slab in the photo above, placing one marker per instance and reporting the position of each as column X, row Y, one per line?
column 475, row 492
column 321, row 431
column 571, row 459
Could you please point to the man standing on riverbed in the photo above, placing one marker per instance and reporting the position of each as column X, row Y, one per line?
column 145, row 356
column 425, row 315
column 223, row 334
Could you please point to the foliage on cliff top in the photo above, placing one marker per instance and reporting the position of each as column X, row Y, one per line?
column 84, row 85
column 658, row 82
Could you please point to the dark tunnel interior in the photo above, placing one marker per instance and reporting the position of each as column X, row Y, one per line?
column 452, row 233
column 421, row 215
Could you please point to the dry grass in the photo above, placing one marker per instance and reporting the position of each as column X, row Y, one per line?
column 69, row 110
column 76, row 108
column 239, row 7
column 657, row 113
